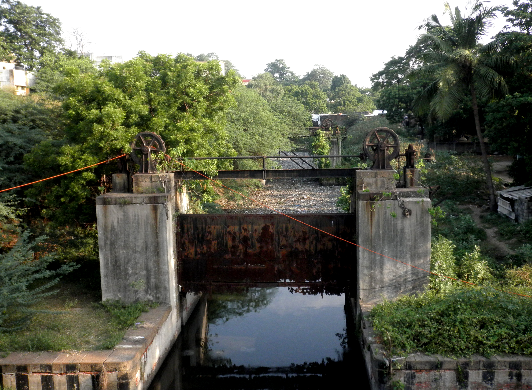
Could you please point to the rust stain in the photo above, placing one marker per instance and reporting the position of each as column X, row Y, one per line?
column 265, row 248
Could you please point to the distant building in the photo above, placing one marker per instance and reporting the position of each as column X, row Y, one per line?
column 14, row 76
column 377, row 113
column 98, row 59
column 245, row 82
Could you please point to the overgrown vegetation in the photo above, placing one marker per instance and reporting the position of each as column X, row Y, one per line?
column 475, row 303
column 321, row 147
column 462, row 322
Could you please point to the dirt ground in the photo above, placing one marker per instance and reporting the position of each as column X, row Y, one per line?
column 500, row 170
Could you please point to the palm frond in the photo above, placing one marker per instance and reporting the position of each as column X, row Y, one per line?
column 488, row 82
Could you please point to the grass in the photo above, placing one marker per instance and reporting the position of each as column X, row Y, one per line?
column 74, row 319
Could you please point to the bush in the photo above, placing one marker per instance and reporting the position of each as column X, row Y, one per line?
column 474, row 268
column 459, row 227
column 460, row 178
column 321, row 147
column 464, row 322
column 25, row 278
column 442, row 265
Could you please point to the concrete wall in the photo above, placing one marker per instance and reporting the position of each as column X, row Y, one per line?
column 393, row 237
column 136, row 238
column 131, row 364
column 336, row 150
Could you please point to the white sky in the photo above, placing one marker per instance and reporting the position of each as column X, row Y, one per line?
column 355, row 38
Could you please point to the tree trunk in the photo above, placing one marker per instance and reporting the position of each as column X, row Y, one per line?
column 487, row 169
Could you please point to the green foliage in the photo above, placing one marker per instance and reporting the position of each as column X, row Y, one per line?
column 460, row 228
column 436, row 213
column 321, row 147
column 310, row 95
column 125, row 315
column 344, row 200
column 267, row 86
column 510, row 131
column 24, row 122
column 253, row 127
column 183, row 101
column 53, row 68
column 464, row 322
column 281, row 72
column 460, row 178
column 442, row 265
column 27, row 33
column 520, row 16
column 521, row 276
column 24, row 280
column 321, row 76
column 259, row 126
column 475, row 268
column 347, row 98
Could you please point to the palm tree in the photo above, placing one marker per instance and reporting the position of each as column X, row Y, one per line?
column 460, row 68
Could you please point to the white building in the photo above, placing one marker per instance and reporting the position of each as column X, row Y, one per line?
column 98, row 59
column 13, row 77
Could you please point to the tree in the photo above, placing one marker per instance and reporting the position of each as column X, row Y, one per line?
column 24, row 122
column 396, row 92
column 183, row 101
column 53, row 68
column 320, row 75
column 521, row 16
column 517, row 43
column 27, row 33
column 254, row 128
column 294, row 113
column 266, row 86
column 460, row 68
column 20, row 269
column 309, row 95
column 509, row 127
column 281, row 72
column 346, row 98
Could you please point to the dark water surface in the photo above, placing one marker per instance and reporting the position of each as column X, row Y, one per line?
column 265, row 338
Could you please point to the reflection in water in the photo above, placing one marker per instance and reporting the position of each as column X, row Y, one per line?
column 264, row 338
column 290, row 329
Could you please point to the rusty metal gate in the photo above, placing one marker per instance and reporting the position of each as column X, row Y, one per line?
column 264, row 248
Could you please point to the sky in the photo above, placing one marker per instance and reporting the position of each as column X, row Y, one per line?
column 355, row 38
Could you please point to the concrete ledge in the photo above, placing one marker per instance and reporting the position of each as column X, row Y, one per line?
column 130, row 365
column 420, row 370
column 126, row 199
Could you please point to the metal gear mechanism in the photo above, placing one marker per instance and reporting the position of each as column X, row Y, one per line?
column 144, row 150
column 381, row 146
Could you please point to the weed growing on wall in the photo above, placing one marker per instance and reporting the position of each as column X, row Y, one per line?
column 321, row 147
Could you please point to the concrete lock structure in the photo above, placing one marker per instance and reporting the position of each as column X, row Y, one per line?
column 393, row 235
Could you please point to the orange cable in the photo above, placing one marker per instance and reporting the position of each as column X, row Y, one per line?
column 63, row 174
column 342, row 239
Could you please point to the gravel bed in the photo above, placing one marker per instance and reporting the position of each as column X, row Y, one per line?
column 292, row 196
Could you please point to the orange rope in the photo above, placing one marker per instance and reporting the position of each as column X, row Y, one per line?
column 62, row 174
column 342, row 239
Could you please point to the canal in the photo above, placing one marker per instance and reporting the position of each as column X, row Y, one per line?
column 266, row 338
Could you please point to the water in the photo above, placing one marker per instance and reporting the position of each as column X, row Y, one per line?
column 265, row 338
